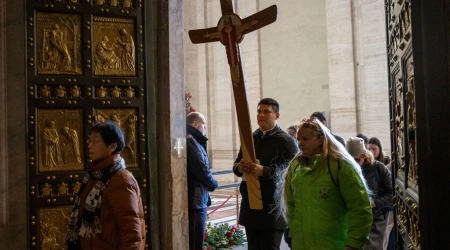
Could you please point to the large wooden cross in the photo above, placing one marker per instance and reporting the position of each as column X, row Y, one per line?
column 230, row 31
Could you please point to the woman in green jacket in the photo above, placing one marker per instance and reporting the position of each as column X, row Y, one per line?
column 326, row 196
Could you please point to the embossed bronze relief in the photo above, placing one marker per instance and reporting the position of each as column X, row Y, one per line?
column 58, row 44
column 126, row 119
column 60, row 140
column 114, row 52
column 411, row 122
column 53, row 227
column 399, row 121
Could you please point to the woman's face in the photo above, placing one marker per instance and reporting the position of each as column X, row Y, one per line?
column 291, row 132
column 97, row 147
column 309, row 144
column 374, row 149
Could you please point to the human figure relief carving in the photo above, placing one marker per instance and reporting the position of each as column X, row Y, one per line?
column 58, row 44
column 61, row 92
column 399, row 123
column 50, row 137
column 101, row 92
column 106, row 58
column 70, row 149
column 115, row 48
column 60, row 148
column 116, row 92
column 126, row 119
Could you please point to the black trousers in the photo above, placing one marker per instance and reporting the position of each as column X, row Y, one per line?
column 197, row 219
column 264, row 239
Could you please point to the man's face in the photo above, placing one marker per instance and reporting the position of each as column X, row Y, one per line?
column 267, row 118
column 200, row 125
column 97, row 147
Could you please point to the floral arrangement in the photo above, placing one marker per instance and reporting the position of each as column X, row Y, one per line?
column 189, row 108
column 222, row 237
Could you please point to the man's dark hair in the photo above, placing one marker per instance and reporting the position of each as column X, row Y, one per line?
column 364, row 137
column 110, row 133
column 319, row 115
column 272, row 102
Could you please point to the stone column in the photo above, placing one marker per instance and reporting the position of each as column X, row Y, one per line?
column 13, row 200
column 170, row 126
column 341, row 67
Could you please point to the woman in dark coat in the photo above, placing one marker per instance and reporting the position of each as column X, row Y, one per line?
column 378, row 178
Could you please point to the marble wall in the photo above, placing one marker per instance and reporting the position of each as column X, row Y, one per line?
column 318, row 56
column 13, row 200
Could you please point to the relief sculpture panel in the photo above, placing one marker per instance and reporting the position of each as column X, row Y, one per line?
column 114, row 52
column 60, row 140
column 53, row 227
column 411, row 122
column 126, row 119
column 58, row 44
column 399, row 120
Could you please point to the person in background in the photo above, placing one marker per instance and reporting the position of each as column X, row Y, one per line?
column 292, row 131
column 274, row 149
column 107, row 212
column 378, row 177
column 327, row 201
column 365, row 139
column 375, row 146
column 323, row 119
column 200, row 179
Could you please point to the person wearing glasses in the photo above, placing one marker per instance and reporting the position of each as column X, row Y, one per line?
column 378, row 177
column 107, row 212
column 326, row 197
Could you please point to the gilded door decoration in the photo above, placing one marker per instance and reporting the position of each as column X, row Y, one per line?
column 114, row 42
column 60, row 140
column 126, row 119
column 399, row 121
column 53, row 227
column 58, row 44
column 411, row 123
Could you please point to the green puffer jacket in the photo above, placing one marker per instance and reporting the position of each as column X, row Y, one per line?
column 323, row 216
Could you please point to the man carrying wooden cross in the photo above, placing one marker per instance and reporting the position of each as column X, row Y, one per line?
column 264, row 225
column 274, row 149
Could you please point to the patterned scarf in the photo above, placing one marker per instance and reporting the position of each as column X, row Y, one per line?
column 88, row 225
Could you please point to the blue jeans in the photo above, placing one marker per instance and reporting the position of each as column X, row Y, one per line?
column 197, row 219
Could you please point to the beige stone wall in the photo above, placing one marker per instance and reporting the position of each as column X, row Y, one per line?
column 318, row 56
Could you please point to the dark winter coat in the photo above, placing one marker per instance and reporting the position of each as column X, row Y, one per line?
column 200, row 179
column 378, row 178
column 274, row 150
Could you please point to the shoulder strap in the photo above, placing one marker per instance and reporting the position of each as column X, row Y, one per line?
column 333, row 171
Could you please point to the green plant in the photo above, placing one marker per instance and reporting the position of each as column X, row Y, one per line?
column 222, row 236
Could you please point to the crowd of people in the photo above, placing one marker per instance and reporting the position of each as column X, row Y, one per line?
column 318, row 191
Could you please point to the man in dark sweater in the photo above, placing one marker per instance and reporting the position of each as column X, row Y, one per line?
column 323, row 119
column 274, row 150
column 200, row 179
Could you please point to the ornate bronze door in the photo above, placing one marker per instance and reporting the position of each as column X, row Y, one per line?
column 418, row 58
column 85, row 64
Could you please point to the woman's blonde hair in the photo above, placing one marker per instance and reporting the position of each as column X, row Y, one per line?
column 331, row 148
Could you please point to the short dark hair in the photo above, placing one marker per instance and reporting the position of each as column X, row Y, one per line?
column 272, row 102
column 319, row 115
column 293, row 127
column 110, row 133
column 364, row 137
column 193, row 117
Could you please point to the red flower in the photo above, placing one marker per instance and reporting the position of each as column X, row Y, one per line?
column 204, row 237
column 208, row 247
column 230, row 242
column 228, row 234
column 233, row 229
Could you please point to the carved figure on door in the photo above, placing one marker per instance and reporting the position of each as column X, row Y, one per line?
column 126, row 41
column 106, row 58
column 70, row 149
column 57, row 55
column 50, row 137
column 127, row 3
column 130, row 134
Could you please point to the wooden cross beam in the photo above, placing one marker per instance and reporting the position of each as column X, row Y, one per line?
column 230, row 31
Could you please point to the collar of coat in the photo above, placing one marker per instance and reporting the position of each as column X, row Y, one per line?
column 198, row 136
column 268, row 133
